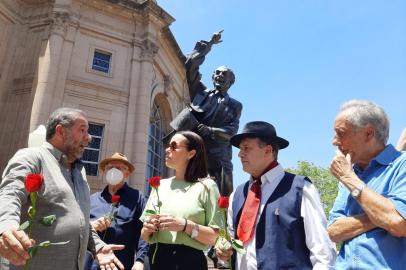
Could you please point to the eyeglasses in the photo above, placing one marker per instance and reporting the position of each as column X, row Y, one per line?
column 174, row 145
column 121, row 168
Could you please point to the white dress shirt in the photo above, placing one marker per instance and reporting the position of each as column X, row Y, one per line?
column 322, row 249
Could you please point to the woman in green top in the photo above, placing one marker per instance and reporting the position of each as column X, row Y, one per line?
column 189, row 218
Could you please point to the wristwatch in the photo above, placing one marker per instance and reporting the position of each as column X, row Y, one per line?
column 195, row 231
column 357, row 190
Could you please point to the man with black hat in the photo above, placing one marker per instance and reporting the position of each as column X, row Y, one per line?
column 127, row 205
column 277, row 215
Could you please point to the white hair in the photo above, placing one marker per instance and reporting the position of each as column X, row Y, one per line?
column 362, row 112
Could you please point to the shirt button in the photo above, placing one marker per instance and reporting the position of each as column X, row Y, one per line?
column 174, row 252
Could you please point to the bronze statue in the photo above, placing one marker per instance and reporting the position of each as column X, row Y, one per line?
column 213, row 114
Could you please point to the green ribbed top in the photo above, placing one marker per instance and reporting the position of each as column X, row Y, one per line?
column 194, row 201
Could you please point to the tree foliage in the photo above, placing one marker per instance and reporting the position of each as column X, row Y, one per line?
column 325, row 182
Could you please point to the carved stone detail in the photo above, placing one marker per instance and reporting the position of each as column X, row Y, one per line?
column 59, row 23
column 148, row 50
column 167, row 84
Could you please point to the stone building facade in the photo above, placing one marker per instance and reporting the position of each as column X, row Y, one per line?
column 115, row 59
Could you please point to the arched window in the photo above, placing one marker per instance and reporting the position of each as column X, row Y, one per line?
column 155, row 156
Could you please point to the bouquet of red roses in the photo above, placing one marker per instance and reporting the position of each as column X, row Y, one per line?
column 33, row 183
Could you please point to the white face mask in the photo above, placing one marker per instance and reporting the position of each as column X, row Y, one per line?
column 114, row 176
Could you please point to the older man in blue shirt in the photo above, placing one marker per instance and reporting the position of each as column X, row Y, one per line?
column 126, row 227
column 369, row 213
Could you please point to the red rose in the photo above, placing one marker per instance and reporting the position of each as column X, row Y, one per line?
column 223, row 202
column 155, row 181
column 33, row 182
column 115, row 198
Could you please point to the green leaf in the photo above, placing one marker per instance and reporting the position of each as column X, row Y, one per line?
column 238, row 246
column 32, row 251
column 25, row 225
column 237, row 243
column 44, row 244
column 59, row 243
column 48, row 220
column 31, row 212
column 150, row 212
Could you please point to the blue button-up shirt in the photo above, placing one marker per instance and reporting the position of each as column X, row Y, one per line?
column 126, row 229
column 377, row 248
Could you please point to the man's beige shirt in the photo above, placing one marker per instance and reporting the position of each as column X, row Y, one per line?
column 65, row 193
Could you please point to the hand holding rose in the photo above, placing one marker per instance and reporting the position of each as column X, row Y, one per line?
column 14, row 246
column 101, row 224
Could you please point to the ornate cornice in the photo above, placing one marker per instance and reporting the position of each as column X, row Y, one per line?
column 145, row 6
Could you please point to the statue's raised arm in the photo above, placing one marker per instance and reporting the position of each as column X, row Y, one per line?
column 195, row 59
column 212, row 113
column 216, row 38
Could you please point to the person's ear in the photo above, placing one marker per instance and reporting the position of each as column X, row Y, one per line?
column 192, row 153
column 59, row 130
column 268, row 149
column 126, row 174
column 369, row 132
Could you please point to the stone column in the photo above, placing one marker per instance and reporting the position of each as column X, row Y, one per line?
column 64, row 63
column 136, row 139
column 48, row 69
column 135, row 70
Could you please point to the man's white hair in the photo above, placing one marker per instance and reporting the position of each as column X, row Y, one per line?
column 362, row 112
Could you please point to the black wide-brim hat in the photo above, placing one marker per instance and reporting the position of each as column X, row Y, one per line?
column 259, row 129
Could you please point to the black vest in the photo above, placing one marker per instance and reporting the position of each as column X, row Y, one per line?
column 280, row 236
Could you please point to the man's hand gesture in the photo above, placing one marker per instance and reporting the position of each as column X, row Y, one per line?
column 216, row 38
column 341, row 167
column 106, row 258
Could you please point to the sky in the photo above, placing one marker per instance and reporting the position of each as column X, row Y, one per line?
column 297, row 61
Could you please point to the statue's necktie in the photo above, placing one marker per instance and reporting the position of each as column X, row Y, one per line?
column 248, row 219
column 246, row 226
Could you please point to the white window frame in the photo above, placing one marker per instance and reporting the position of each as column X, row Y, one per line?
column 93, row 49
column 157, row 120
column 95, row 149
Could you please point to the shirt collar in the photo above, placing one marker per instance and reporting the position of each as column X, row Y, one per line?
column 220, row 93
column 388, row 155
column 384, row 158
column 55, row 151
column 106, row 194
column 271, row 174
column 59, row 155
